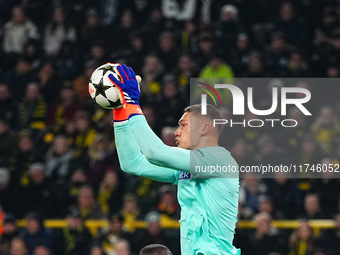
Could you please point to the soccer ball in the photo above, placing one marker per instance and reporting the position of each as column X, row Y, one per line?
column 101, row 89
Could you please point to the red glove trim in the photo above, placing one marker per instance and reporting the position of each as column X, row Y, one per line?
column 125, row 112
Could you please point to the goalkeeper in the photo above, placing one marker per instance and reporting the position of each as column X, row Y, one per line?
column 208, row 203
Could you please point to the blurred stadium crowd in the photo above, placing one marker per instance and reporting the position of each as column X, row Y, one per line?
column 57, row 152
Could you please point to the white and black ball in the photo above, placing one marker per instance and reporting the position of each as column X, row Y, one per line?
column 103, row 92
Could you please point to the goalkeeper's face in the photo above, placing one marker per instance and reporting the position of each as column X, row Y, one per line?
column 182, row 133
column 190, row 131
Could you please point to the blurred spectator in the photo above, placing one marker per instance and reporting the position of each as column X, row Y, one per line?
column 326, row 187
column 153, row 27
column 329, row 24
column 312, row 208
column 2, row 218
column 110, row 238
column 167, row 206
column 58, row 30
column 96, row 250
column 310, row 153
column 67, row 61
column 10, row 232
column 41, row 249
column 8, row 193
column 19, row 77
column 185, row 69
column 48, row 81
column 98, row 54
column 136, row 53
column 289, row 23
column 33, row 53
column 59, row 160
column 123, row 248
column 153, row 233
column 110, row 193
column 69, row 130
column 189, row 37
column 251, row 191
column 268, row 152
column 286, row 197
column 325, row 127
column 32, row 109
column 266, row 239
column 295, row 67
column 329, row 241
column 330, row 52
column 91, row 29
column 7, row 105
column 81, row 82
column 65, row 108
column 78, row 180
column 266, row 205
column 124, row 29
column 8, row 141
column 239, row 55
column 227, row 28
column 98, row 160
column 39, row 196
column 302, row 241
column 241, row 153
column 278, row 52
column 216, row 68
column 291, row 139
column 168, row 51
column 140, row 9
column 170, row 103
column 205, row 51
column 18, row 247
column 168, row 136
column 35, row 232
column 18, row 31
column 85, row 135
column 21, row 159
column 256, row 67
column 75, row 238
column 152, row 74
column 87, row 205
column 130, row 212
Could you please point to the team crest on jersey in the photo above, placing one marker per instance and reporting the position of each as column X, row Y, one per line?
column 184, row 176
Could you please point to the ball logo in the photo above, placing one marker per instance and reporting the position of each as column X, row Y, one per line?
column 91, row 90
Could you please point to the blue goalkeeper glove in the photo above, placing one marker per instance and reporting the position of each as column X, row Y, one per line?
column 129, row 87
column 129, row 84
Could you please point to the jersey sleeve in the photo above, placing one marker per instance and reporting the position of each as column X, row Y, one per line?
column 155, row 150
column 132, row 160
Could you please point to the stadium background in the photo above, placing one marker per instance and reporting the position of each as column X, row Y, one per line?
column 57, row 152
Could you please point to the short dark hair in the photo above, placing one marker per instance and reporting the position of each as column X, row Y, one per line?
column 212, row 113
column 155, row 249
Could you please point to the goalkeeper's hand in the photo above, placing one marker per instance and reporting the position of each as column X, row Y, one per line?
column 130, row 90
column 129, row 86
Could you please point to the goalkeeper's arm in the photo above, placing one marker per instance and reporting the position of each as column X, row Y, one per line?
column 132, row 160
column 152, row 147
column 155, row 150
